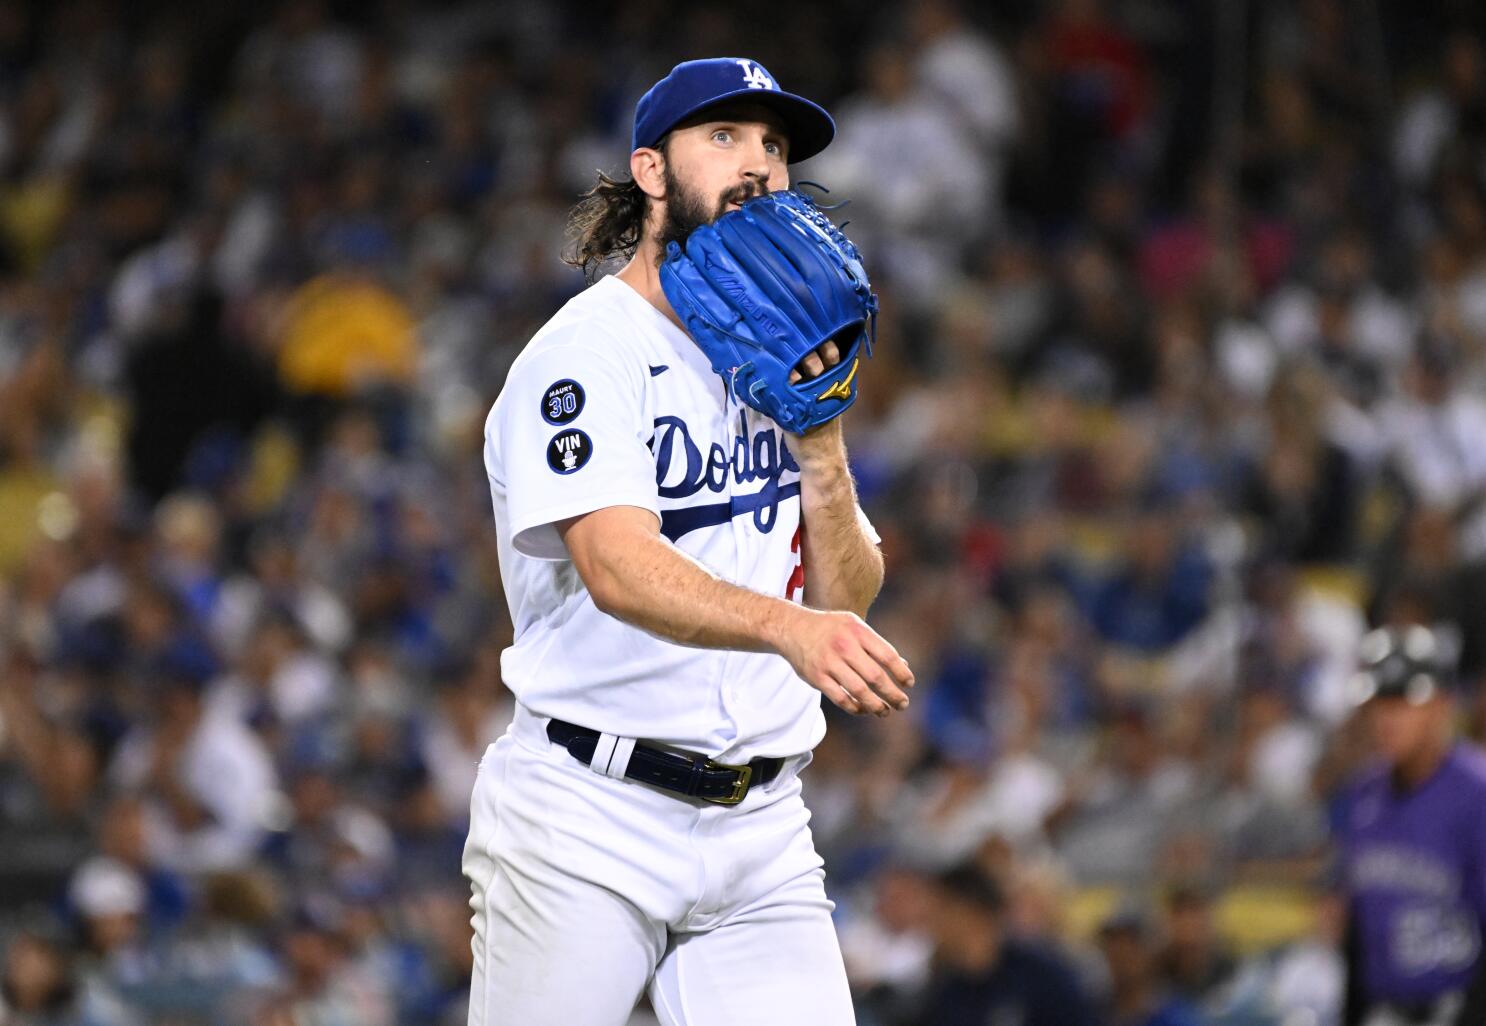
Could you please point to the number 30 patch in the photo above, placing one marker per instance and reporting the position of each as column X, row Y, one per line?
column 562, row 402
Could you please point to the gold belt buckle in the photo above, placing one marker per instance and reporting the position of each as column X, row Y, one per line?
column 740, row 786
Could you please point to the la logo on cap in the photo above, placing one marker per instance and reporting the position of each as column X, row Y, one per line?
column 694, row 86
column 755, row 76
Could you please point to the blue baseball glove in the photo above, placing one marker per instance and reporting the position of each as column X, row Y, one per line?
column 762, row 287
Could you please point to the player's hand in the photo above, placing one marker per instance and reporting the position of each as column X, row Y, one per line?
column 851, row 664
column 815, row 364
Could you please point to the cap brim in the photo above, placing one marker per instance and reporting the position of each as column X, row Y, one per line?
column 809, row 127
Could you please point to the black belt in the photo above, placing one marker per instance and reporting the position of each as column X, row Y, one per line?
column 688, row 773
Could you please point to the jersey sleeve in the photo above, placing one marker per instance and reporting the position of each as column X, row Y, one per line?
column 570, row 434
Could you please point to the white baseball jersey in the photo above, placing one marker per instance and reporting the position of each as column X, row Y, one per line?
column 611, row 404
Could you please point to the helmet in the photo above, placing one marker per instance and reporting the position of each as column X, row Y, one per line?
column 1414, row 663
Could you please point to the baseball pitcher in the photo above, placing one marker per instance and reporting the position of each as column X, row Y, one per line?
column 686, row 566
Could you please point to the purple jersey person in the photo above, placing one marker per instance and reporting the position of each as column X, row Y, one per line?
column 1413, row 847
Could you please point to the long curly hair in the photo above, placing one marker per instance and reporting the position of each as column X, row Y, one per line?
column 608, row 221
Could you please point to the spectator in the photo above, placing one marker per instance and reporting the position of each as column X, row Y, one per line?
column 1160, row 594
column 1438, row 116
column 888, row 946
column 926, row 209
column 209, row 781
column 1427, row 434
column 471, row 711
column 982, row 972
column 967, row 68
column 1137, row 995
column 109, row 899
column 281, row 678
column 1121, row 809
column 40, row 987
column 1193, row 959
column 1309, row 974
column 325, row 984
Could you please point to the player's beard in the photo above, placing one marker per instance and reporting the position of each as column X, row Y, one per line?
column 687, row 209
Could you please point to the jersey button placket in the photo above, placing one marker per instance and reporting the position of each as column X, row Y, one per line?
column 709, row 907
column 732, row 696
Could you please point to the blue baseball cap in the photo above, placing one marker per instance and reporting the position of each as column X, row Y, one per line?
column 695, row 85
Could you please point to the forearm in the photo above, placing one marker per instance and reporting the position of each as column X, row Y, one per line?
column 650, row 583
column 634, row 574
column 843, row 568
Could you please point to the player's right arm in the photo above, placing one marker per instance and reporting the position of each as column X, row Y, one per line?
column 635, row 574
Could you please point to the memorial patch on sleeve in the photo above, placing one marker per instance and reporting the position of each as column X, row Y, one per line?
column 562, row 402
column 569, row 451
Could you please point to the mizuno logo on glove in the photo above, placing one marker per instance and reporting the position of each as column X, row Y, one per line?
column 842, row 388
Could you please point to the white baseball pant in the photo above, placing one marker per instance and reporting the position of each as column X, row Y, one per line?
column 588, row 890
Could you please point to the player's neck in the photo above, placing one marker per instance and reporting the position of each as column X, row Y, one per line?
column 642, row 274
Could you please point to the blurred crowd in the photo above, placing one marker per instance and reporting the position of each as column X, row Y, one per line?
column 1181, row 384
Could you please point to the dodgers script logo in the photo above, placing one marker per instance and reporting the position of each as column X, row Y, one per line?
column 681, row 472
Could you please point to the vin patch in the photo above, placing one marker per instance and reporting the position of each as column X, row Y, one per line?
column 569, row 451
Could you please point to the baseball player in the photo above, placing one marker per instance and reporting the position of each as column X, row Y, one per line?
column 1413, row 847
column 685, row 579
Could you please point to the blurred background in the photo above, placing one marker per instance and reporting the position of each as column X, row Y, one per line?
column 1181, row 384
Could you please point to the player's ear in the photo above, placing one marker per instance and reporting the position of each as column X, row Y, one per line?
column 647, row 167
